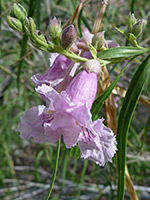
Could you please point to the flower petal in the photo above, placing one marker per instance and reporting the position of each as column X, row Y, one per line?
column 70, row 135
column 53, row 135
column 49, row 94
column 100, row 148
column 31, row 124
column 59, row 71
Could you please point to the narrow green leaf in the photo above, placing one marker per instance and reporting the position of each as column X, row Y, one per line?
column 65, row 164
column 32, row 8
column 82, row 177
column 147, row 86
column 38, row 13
column 79, row 23
column 100, row 100
column 85, row 22
column 37, row 161
column 128, row 107
column 121, row 52
column 132, row 6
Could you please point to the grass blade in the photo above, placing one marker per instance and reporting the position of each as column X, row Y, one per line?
column 128, row 107
column 38, row 14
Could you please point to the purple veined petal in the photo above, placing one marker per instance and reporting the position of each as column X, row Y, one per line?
column 35, row 124
column 60, row 120
column 31, row 124
column 65, row 125
column 99, row 147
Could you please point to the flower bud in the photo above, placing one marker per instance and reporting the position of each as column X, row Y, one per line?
column 68, row 36
column 19, row 12
column 23, row 10
column 111, row 44
column 32, row 25
column 14, row 23
column 138, row 27
column 55, row 28
column 84, row 42
column 131, row 21
column 74, row 48
column 92, row 66
column 98, row 40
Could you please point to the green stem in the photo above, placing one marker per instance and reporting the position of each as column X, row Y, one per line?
column 55, row 170
column 82, row 177
column 55, row 48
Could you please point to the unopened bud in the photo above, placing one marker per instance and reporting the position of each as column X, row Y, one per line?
column 139, row 27
column 23, row 10
column 55, row 28
column 98, row 40
column 14, row 23
column 68, row 36
column 27, row 27
column 111, row 44
column 74, row 48
column 92, row 66
column 19, row 12
column 32, row 25
column 131, row 21
column 84, row 42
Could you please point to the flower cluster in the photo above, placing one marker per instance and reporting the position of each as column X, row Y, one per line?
column 67, row 113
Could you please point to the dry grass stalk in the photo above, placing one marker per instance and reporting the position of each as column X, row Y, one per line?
column 98, row 22
column 130, row 186
column 109, row 105
column 122, row 92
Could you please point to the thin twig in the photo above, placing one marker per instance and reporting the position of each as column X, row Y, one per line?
column 98, row 22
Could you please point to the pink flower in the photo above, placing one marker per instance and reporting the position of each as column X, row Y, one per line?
column 68, row 113
column 100, row 147
column 59, row 74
